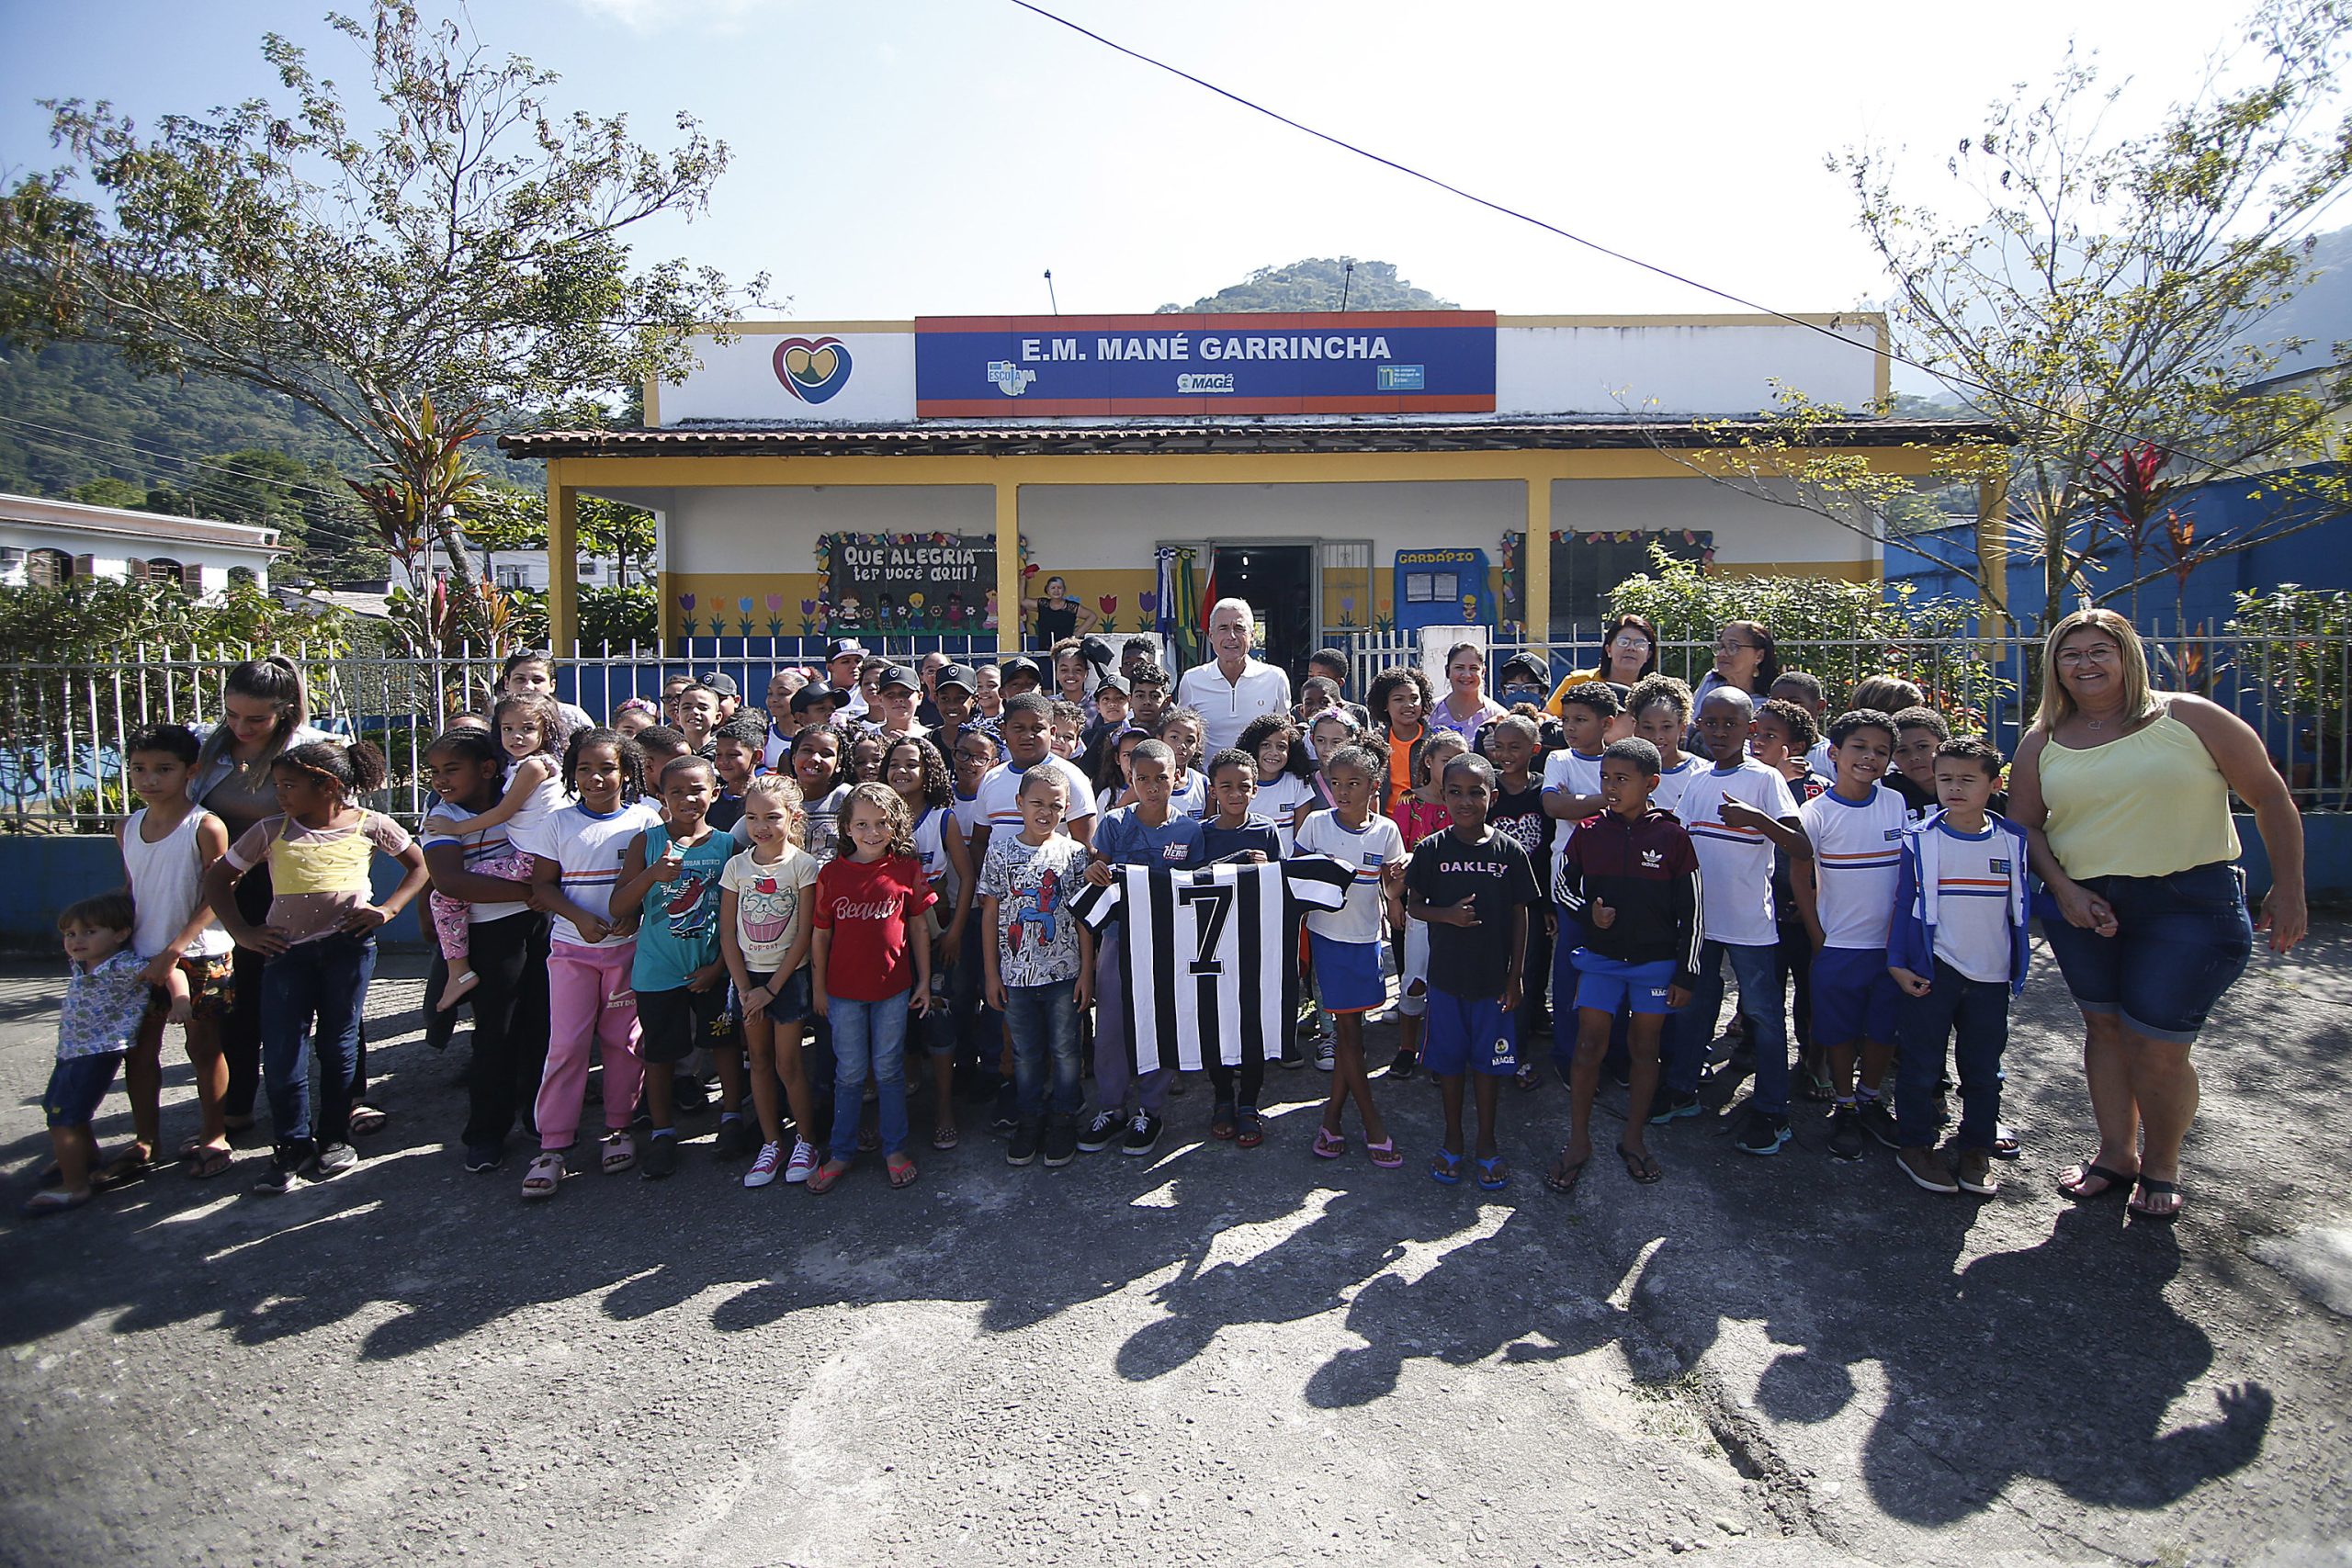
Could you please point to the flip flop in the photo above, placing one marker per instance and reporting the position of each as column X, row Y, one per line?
column 1493, row 1175
column 1383, row 1154
column 2117, row 1183
column 1642, row 1167
column 1528, row 1079
column 2149, row 1184
column 122, row 1170
column 1330, row 1145
column 206, row 1163
column 1563, row 1177
column 827, row 1177
column 1446, row 1169
column 902, row 1171
column 53, row 1202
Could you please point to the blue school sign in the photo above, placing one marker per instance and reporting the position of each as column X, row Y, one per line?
column 1355, row 362
column 1442, row 588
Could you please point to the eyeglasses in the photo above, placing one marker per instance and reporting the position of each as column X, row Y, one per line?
column 1727, row 645
column 1635, row 644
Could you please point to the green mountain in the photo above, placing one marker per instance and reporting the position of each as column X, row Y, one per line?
column 1319, row 283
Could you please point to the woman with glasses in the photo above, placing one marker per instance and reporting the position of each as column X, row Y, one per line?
column 1628, row 654
column 1746, row 657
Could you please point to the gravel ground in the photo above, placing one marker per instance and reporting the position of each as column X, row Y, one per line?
column 1207, row 1356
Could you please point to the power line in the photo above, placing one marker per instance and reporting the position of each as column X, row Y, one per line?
column 161, row 456
column 1946, row 377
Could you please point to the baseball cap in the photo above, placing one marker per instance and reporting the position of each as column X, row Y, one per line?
column 841, row 646
column 899, row 675
column 717, row 681
column 1523, row 664
column 814, row 692
column 962, row 675
column 1008, row 668
column 1114, row 682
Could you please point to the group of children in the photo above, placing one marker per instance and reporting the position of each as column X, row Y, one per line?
column 881, row 868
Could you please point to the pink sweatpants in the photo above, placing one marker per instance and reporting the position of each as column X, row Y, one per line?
column 451, row 916
column 589, row 999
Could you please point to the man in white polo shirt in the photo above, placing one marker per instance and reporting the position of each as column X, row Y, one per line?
column 1233, row 688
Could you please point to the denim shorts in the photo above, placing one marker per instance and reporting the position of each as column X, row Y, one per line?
column 2181, row 939
column 791, row 1003
column 77, row 1085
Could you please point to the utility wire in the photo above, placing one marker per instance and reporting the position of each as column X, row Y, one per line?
column 153, row 455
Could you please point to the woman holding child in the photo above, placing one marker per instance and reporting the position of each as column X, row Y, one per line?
column 2124, row 794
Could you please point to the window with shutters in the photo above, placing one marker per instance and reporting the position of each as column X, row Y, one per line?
column 49, row 568
column 191, row 577
column 161, row 569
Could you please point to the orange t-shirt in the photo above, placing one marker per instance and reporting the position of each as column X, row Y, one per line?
column 1400, row 763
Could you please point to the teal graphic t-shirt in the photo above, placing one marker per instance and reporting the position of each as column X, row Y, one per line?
column 679, row 934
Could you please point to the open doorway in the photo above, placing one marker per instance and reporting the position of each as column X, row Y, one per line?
column 1279, row 583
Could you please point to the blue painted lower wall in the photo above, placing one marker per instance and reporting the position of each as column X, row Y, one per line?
column 39, row 875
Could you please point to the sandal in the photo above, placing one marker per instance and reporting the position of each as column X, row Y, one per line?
column 1528, row 1079
column 1249, row 1132
column 1563, row 1177
column 1385, row 1154
column 1493, row 1175
column 1642, row 1167
column 1330, row 1145
column 2005, row 1141
column 207, row 1162
column 828, row 1176
column 132, row 1165
column 53, row 1202
column 902, row 1171
column 2072, row 1178
column 1446, row 1169
column 366, row 1120
column 2151, row 1187
column 620, row 1151
column 945, row 1138
column 544, row 1176
column 1222, row 1122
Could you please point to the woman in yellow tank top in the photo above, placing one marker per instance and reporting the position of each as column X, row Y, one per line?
column 2124, row 794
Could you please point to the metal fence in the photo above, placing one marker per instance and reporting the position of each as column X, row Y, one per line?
column 64, row 726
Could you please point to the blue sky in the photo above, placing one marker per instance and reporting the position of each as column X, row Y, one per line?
column 935, row 156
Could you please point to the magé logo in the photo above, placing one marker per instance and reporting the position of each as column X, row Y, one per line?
column 812, row 369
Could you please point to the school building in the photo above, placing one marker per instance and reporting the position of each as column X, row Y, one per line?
column 1346, row 472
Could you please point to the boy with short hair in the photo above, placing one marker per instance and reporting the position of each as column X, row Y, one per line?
column 735, row 753
column 1039, row 962
column 1149, row 832
column 1630, row 881
column 1020, row 675
column 106, row 995
column 1729, row 811
column 1066, row 730
column 1025, row 729
column 697, row 717
column 1150, row 683
column 1518, row 809
column 815, row 704
column 1232, row 832
column 1844, row 873
column 662, row 746
column 1472, row 886
column 782, row 719
column 1959, row 951
column 1917, row 732
column 1803, row 688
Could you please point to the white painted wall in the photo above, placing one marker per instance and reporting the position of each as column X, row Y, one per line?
column 1655, row 369
column 111, row 555
column 775, row 528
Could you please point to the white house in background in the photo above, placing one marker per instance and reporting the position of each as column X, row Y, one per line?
column 46, row 543
column 512, row 568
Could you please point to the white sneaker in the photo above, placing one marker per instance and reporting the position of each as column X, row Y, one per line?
column 1327, row 1056
column 804, row 1160
column 763, row 1169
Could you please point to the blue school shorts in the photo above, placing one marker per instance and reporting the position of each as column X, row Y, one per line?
column 1605, row 985
column 1348, row 974
column 1854, row 998
column 77, row 1085
column 1473, row 1034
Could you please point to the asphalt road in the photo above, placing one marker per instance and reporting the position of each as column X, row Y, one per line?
column 1210, row 1356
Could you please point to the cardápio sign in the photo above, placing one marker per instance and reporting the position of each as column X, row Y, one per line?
column 1333, row 361
column 907, row 582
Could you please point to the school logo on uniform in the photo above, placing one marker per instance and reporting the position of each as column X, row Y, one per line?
column 1502, row 1054
column 2002, row 866
column 1894, row 835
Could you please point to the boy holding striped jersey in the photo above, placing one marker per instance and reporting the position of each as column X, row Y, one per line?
column 1845, row 891
column 1959, row 951
column 1735, row 812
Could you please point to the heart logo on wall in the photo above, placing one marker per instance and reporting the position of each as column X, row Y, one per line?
column 812, row 369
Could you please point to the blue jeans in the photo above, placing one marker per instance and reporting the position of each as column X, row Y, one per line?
column 1976, row 1012
column 869, row 1035
column 1045, row 1023
column 311, row 996
column 1688, row 1033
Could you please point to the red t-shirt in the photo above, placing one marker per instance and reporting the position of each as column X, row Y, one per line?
column 866, row 906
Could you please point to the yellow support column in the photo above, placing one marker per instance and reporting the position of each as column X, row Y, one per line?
column 1535, row 565
column 563, row 565
column 1992, row 552
column 1008, row 567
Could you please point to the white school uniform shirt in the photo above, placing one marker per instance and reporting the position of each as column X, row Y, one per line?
column 1569, row 772
column 590, row 849
column 1674, row 781
column 998, row 804
column 1366, row 853
column 1190, row 799
column 1819, row 761
column 1280, row 798
column 1856, row 859
column 1735, row 863
column 1971, row 908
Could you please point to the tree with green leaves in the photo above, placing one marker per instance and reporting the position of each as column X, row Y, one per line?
column 457, row 245
column 2102, row 294
column 1318, row 283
